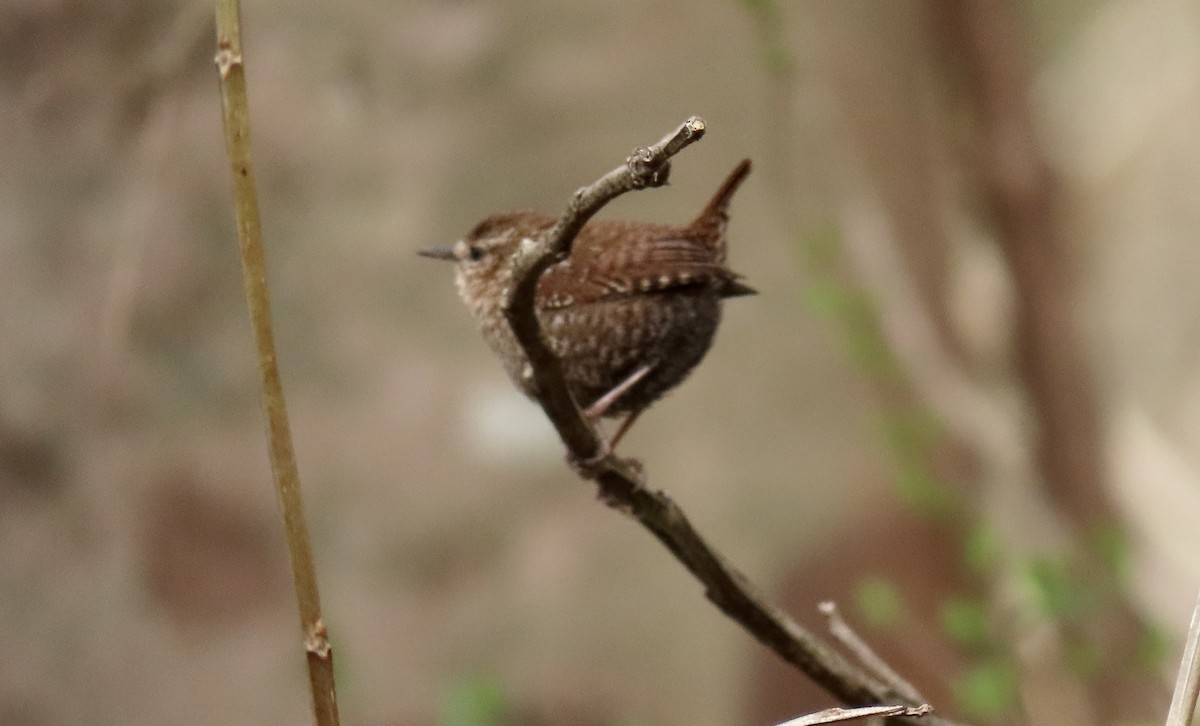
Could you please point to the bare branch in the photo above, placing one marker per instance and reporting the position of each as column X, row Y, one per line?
column 1187, row 683
column 837, row 715
column 236, row 107
column 844, row 634
column 621, row 481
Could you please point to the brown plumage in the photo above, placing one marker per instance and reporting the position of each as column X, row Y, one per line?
column 630, row 312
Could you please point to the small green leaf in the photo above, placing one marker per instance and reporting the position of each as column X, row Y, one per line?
column 879, row 602
column 1112, row 544
column 909, row 436
column 910, row 430
column 966, row 623
column 868, row 351
column 988, row 690
column 922, row 491
column 981, row 551
column 1058, row 593
column 473, row 702
column 827, row 298
column 1153, row 647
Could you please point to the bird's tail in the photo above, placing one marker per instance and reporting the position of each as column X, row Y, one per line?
column 711, row 222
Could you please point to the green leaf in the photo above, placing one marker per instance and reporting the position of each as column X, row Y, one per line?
column 922, row 491
column 981, row 550
column 869, row 351
column 966, row 622
column 909, row 436
column 1059, row 594
column 827, row 298
column 1153, row 647
column 879, row 602
column 988, row 690
column 473, row 701
column 910, row 430
column 1112, row 544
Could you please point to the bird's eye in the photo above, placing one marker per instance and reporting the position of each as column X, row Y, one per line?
column 464, row 251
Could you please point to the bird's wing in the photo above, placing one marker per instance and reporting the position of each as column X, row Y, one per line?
column 609, row 272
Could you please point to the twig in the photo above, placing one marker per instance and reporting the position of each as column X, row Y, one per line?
column 232, row 77
column 1187, row 683
column 837, row 715
column 621, row 482
column 844, row 634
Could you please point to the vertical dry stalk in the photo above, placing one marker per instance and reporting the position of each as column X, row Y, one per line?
column 235, row 105
column 1025, row 198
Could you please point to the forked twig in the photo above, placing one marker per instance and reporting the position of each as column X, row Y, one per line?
column 872, row 661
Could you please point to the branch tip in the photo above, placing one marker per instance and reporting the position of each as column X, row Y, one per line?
column 866, row 655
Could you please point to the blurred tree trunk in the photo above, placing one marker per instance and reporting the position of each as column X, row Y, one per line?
column 907, row 77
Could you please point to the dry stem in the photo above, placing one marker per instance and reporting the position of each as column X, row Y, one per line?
column 1187, row 683
column 231, row 69
column 838, row 715
column 852, row 641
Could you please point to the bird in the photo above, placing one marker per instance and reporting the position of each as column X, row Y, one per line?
column 630, row 312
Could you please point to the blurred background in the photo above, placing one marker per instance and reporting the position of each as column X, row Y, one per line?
column 963, row 405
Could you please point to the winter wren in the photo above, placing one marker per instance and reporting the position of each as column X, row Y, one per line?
column 629, row 313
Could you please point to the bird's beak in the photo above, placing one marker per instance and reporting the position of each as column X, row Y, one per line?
column 438, row 253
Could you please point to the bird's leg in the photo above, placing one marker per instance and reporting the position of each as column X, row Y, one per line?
column 602, row 404
column 595, row 411
column 585, row 468
column 612, row 442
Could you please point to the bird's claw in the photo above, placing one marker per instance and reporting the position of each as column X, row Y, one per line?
column 588, row 467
